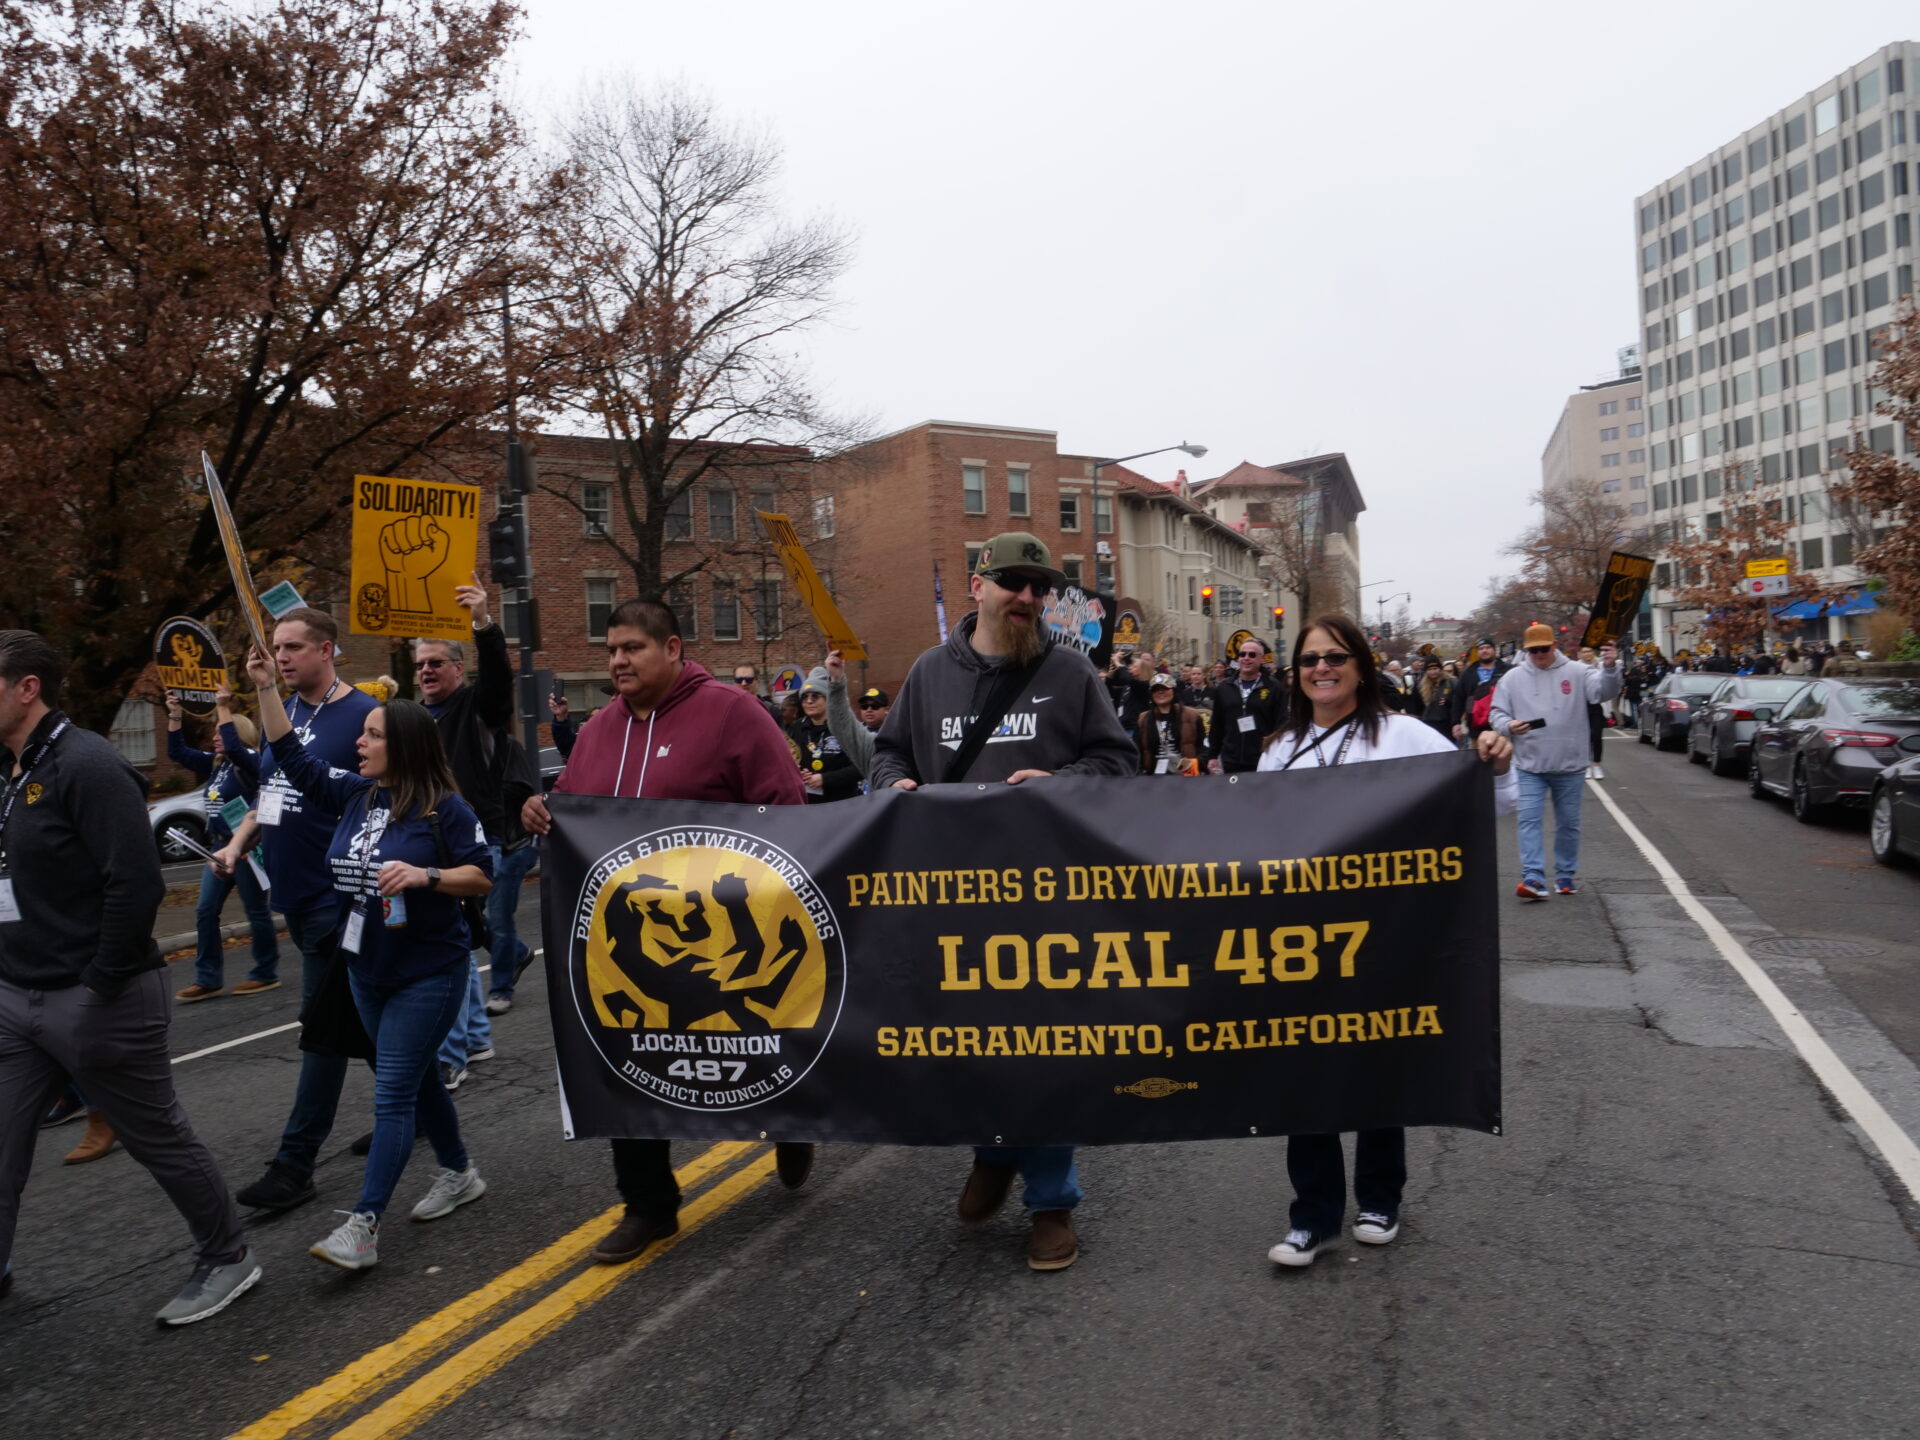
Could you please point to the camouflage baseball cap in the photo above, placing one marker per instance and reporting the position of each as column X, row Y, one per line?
column 1019, row 550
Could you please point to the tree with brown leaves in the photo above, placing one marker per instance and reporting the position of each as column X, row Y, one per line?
column 273, row 233
column 1886, row 488
column 1562, row 555
column 1710, row 567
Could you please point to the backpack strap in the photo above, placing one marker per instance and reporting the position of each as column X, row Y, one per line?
column 1005, row 690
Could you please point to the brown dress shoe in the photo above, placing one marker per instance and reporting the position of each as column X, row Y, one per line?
column 985, row 1192
column 196, row 991
column 633, row 1235
column 96, row 1142
column 1051, row 1244
column 255, row 987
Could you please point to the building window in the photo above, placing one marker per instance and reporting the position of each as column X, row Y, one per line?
column 1609, row 433
column 1103, row 574
column 823, row 517
column 1826, row 114
column 599, row 607
column 1069, row 510
column 132, row 733
column 1017, row 491
column 720, row 513
column 1639, row 507
column 1071, row 569
column 1636, row 482
column 1813, row 554
column 1609, row 407
column 680, row 516
column 1842, row 549
column 1193, row 592
column 685, row 604
column 1611, row 487
column 726, row 611
column 1636, row 430
column 766, row 610
column 1610, row 461
column 1633, row 402
column 1103, row 513
column 973, row 489
column 767, row 501
column 596, row 508
column 973, row 558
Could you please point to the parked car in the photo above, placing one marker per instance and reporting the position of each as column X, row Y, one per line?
column 1828, row 746
column 1668, row 709
column 186, row 812
column 1893, row 811
column 1721, row 731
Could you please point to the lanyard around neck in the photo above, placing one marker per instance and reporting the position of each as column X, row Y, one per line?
column 28, row 761
column 308, row 727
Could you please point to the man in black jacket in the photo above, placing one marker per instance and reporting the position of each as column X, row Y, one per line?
column 83, row 992
column 1477, row 679
column 1247, row 707
column 473, row 720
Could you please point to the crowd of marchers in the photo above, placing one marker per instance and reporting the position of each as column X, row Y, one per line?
column 392, row 836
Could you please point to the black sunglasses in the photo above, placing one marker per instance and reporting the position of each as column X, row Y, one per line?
column 872, row 705
column 1539, row 649
column 743, row 679
column 1335, row 658
column 1014, row 583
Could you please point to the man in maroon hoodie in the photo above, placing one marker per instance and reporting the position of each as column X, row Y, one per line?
column 676, row 734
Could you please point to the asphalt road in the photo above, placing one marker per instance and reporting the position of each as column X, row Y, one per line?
column 1680, row 1234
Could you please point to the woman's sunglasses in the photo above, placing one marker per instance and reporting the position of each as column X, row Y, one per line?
column 1335, row 658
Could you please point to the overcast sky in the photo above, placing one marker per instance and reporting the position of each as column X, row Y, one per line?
column 1403, row 231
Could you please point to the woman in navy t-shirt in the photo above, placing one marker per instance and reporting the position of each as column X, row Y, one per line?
column 402, row 820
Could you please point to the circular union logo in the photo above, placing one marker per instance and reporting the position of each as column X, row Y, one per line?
column 707, row 967
column 371, row 606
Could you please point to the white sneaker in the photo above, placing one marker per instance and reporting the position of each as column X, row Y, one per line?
column 1594, row 772
column 355, row 1245
column 474, row 1057
column 451, row 1074
column 450, row 1190
column 1297, row 1249
column 1370, row 1227
column 499, row 1004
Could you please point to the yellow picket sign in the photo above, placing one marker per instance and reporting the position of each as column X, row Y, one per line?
column 414, row 541
column 793, row 557
column 237, row 567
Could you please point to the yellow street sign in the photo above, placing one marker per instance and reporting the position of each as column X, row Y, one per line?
column 414, row 542
column 1776, row 566
column 793, row 557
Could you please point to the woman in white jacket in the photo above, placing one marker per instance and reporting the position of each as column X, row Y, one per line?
column 1337, row 715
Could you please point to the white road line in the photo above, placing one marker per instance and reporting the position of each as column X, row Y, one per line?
column 1893, row 1143
column 276, row 1030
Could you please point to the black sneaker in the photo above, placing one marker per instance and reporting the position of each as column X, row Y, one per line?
column 633, row 1235
column 793, row 1162
column 1298, row 1249
column 364, row 1145
column 66, row 1108
column 281, row 1188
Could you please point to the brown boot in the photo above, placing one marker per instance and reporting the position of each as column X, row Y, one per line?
column 633, row 1235
column 96, row 1142
column 986, row 1191
column 1051, row 1244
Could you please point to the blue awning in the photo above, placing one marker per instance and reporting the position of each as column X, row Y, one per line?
column 1851, row 603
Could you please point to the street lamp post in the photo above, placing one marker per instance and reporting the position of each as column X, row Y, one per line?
column 1196, row 451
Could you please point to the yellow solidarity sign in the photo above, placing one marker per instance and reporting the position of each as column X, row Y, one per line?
column 1775, row 566
column 414, row 541
column 799, row 567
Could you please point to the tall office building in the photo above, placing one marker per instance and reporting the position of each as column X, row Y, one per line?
column 1769, row 268
column 1601, row 440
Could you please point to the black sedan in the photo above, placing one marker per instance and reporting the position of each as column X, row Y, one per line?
column 1667, row 712
column 1893, row 813
column 1722, row 729
column 1828, row 747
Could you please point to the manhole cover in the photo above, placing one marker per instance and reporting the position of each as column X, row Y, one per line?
column 1791, row 949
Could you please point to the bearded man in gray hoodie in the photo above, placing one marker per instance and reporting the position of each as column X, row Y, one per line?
column 1551, row 758
column 1057, row 721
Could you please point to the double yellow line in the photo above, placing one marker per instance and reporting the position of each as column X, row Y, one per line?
column 378, row 1369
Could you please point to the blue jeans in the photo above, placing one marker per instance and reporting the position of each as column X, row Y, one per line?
column 407, row 1023
column 472, row 1028
column 1051, row 1181
column 510, row 952
column 1566, row 788
column 210, row 965
column 316, row 1095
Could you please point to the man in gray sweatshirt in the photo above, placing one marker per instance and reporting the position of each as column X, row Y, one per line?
column 1551, row 758
column 83, row 992
column 1059, row 721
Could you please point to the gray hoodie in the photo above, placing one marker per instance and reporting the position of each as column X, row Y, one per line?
column 1559, row 695
column 1062, row 722
column 856, row 741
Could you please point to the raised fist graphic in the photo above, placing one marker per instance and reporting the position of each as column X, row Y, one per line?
column 412, row 549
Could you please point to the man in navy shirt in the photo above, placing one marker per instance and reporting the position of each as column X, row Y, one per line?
column 327, row 714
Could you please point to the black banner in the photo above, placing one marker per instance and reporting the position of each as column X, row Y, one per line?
column 187, row 659
column 1090, row 961
column 1618, row 604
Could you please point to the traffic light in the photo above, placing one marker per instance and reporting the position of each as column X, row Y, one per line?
column 1279, row 614
column 506, row 549
column 1386, row 631
column 1206, row 599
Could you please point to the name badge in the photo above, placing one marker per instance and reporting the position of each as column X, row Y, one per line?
column 350, row 937
column 1163, row 766
column 1246, row 724
column 9, row 907
column 268, row 810
column 233, row 812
